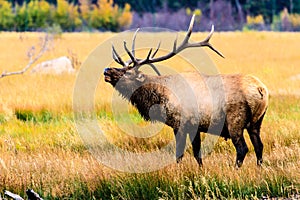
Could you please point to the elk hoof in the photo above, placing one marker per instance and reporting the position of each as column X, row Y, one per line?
column 238, row 164
column 259, row 162
column 199, row 161
column 179, row 159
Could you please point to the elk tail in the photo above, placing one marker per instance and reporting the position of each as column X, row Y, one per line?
column 257, row 96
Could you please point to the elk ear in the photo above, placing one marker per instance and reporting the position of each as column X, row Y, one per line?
column 140, row 77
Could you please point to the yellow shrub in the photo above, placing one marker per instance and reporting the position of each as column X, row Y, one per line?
column 295, row 20
column 84, row 7
column 259, row 19
column 196, row 12
column 67, row 15
column 62, row 7
column 107, row 10
column 20, row 18
column 125, row 18
column 290, row 19
column 74, row 15
column 188, row 11
column 38, row 13
column 106, row 15
column 6, row 15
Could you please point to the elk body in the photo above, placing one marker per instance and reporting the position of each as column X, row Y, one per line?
column 191, row 103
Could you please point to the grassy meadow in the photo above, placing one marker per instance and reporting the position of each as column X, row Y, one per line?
column 41, row 149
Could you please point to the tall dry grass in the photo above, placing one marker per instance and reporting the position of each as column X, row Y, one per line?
column 47, row 154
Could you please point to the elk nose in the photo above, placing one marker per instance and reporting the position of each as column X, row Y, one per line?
column 106, row 70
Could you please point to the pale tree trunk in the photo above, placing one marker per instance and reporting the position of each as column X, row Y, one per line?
column 291, row 6
column 240, row 11
column 211, row 13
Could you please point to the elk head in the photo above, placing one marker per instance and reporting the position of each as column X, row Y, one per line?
column 129, row 73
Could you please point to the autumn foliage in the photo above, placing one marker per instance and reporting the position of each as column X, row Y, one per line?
column 41, row 15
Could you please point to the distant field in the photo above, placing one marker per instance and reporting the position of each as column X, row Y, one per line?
column 41, row 149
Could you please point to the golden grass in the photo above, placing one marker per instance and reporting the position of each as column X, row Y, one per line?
column 50, row 156
column 272, row 57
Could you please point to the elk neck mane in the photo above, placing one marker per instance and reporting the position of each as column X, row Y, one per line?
column 144, row 95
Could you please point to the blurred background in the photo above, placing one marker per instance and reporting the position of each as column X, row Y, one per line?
column 116, row 15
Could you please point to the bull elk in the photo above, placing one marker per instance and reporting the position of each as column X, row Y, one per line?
column 191, row 103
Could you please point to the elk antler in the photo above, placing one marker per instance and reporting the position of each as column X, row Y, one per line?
column 119, row 60
column 150, row 59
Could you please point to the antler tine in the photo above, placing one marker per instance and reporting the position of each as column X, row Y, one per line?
column 210, row 33
column 209, row 45
column 149, row 54
column 133, row 42
column 185, row 42
column 206, row 43
column 158, row 46
column 175, row 44
column 215, row 50
column 190, row 30
column 116, row 56
column 145, row 60
column 133, row 59
column 154, row 68
column 148, row 59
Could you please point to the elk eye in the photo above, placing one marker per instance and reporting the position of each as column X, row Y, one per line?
column 128, row 74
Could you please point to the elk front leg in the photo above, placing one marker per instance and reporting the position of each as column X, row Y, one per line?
column 196, row 143
column 180, row 136
column 258, row 145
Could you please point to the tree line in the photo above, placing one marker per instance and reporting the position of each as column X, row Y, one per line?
column 39, row 15
column 116, row 15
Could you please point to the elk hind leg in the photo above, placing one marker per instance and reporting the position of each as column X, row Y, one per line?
column 254, row 133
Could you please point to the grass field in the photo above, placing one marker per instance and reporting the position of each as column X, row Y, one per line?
column 41, row 149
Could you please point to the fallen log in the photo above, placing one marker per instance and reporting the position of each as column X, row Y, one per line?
column 32, row 195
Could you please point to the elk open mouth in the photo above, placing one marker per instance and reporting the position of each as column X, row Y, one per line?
column 107, row 76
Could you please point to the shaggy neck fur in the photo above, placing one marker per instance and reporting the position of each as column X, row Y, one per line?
column 148, row 98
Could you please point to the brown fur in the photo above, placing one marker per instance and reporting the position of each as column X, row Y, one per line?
column 191, row 103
